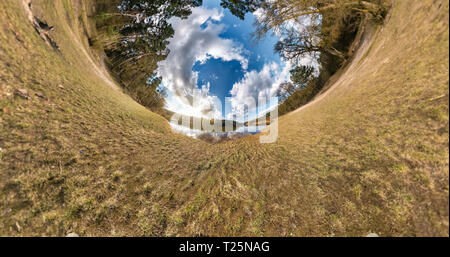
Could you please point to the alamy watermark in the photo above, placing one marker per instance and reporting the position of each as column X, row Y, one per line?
column 254, row 114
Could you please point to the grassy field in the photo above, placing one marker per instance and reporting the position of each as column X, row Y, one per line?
column 368, row 155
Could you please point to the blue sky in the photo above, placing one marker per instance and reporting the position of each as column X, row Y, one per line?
column 214, row 53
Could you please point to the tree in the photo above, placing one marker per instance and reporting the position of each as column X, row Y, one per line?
column 300, row 76
column 285, row 90
column 280, row 11
column 321, row 23
column 281, row 16
column 136, row 34
column 241, row 7
column 146, row 29
column 296, row 44
column 321, row 29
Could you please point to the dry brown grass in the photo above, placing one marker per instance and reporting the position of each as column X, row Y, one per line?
column 369, row 156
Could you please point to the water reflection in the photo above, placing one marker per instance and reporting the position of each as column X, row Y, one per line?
column 216, row 137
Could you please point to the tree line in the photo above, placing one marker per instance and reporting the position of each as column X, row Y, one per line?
column 134, row 35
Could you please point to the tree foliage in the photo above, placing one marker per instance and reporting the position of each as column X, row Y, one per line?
column 300, row 77
column 135, row 35
column 316, row 35
column 241, row 7
column 321, row 29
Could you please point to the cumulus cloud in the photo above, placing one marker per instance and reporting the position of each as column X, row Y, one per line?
column 266, row 82
column 256, row 85
column 205, row 105
column 196, row 39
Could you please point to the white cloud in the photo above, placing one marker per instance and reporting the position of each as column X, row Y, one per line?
column 266, row 82
column 206, row 105
column 255, row 85
column 194, row 43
